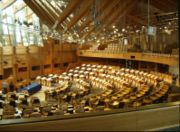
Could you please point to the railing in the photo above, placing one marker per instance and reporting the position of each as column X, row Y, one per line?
column 171, row 60
column 140, row 118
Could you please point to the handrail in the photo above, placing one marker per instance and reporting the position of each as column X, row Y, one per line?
column 170, row 60
column 84, row 115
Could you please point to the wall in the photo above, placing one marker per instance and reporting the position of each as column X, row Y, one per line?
column 29, row 62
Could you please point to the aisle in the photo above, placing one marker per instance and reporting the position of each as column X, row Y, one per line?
column 40, row 94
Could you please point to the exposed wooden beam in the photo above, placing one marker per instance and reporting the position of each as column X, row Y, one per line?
column 59, row 7
column 55, row 9
column 173, row 4
column 127, row 10
column 137, row 20
column 158, row 5
column 105, row 14
column 40, row 9
column 105, row 4
column 167, row 4
column 72, row 5
column 85, row 5
column 119, row 14
column 126, row 7
column 49, row 12
column 41, row 15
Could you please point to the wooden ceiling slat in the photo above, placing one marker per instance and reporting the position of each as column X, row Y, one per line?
column 104, row 5
column 55, row 9
column 118, row 14
column 60, row 8
column 173, row 4
column 50, row 12
column 37, row 12
column 126, row 8
column 165, row 4
column 137, row 20
column 72, row 5
column 107, row 12
column 109, row 19
column 158, row 5
column 42, row 11
column 83, row 10
column 31, row 5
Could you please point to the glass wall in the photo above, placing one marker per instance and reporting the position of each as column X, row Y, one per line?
column 19, row 25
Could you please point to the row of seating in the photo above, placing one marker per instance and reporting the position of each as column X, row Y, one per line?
column 87, row 88
column 126, row 85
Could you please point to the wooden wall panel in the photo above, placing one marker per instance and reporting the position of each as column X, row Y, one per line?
column 8, row 39
column 21, row 66
column 1, row 60
column 20, row 49
column 22, row 73
column 28, row 62
column 8, row 50
column 57, row 51
column 47, row 69
column 1, row 67
column 35, row 65
column 8, row 61
column 66, row 47
column 35, row 70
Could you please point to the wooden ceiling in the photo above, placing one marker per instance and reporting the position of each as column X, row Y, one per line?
column 89, row 17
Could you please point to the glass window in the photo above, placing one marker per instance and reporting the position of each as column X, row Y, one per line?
column 20, row 23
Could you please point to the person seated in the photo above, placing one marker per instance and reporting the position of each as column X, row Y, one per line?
column 13, row 96
column 1, row 104
column 5, row 90
column 11, row 87
column 26, row 112
column 12, row 102
column 54, row 93
column 24, row 101
column 35, row 101
column 1, row 97
column 45, row 110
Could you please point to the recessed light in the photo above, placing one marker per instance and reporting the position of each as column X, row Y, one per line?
column 123, row 30
column 137, row 31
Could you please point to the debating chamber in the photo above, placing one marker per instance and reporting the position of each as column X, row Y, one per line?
column 89, row 65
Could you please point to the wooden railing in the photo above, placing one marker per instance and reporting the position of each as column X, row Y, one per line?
column 148, row 57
